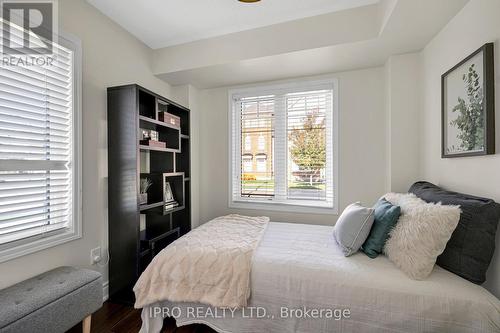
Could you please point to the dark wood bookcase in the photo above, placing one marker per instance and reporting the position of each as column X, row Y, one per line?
column 137, row 232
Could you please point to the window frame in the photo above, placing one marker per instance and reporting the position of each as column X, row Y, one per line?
column 295, row 206
column 39, row 242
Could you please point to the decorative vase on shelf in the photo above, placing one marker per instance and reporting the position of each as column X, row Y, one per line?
column 144, row 186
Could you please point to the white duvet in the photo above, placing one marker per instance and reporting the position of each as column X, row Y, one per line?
column 299, row 265
column 211, row 265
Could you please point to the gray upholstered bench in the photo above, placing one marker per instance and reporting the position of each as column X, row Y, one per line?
column 51, row 302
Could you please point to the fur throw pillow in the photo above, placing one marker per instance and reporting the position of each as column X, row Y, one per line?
column 420, row 235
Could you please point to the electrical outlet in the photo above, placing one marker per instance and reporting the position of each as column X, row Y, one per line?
column 95, row 255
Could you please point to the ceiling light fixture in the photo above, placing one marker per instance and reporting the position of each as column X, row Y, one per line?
column 248, row 1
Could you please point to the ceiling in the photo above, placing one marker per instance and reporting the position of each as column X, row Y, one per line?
column 214, row 43
column 162, row 23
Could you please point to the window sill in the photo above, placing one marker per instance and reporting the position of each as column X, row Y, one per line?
column 36, row 244
column 292, row 207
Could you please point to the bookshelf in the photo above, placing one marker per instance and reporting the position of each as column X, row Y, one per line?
column 138, row 229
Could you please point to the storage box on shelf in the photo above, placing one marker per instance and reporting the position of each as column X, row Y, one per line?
column 169, row 119
column 153, row 143
column 138, row 231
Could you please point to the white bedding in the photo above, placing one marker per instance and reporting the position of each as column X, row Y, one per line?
column 211, row 265
column 299, row 265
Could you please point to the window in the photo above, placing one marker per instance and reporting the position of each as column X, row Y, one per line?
column 261, row 163
column 248, row 143
column 262, row 143
column 296, row 164
column 247, row 162
column 39, row 153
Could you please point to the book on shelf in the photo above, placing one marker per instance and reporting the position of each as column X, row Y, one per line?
column 170, row 205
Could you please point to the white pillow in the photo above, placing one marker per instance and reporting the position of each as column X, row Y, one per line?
column 420, row 235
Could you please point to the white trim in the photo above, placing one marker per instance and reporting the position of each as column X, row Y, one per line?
column 284, row 207
column 280, row 87
column 336, row 145
column 230, row 111
column 35, row 244
column 38, row 245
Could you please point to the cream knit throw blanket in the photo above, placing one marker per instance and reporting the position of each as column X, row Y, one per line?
column 211, row 265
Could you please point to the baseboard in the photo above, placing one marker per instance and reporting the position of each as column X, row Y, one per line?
column 105, row 291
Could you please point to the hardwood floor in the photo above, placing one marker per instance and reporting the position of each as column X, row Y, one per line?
column 118, row 318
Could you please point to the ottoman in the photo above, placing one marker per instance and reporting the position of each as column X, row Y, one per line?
column 51, row 302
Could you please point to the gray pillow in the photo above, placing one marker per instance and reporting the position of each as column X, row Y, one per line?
column 353, row 227
column 469, row 251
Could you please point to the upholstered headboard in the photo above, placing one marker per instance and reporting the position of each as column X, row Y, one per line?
column 472, row 244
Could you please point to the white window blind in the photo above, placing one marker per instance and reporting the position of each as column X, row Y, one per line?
column 294, row 126
column 38, row 164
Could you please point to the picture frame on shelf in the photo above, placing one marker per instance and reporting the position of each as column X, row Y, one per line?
column 168, row 195
column 145, row 134
column 154, row 135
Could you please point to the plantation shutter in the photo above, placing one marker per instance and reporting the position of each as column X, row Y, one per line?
column 255, row 135
column 36, row 147
column 288, row 170
column 310, row 122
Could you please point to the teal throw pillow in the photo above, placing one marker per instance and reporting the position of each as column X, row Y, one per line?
column 386, row 217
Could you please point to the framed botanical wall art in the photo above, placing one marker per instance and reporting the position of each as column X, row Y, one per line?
column 468, row 106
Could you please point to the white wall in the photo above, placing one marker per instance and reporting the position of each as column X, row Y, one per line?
column 476, row 24
column 188, row 96
column 195, row 107
column 111, row 56
column 402, row 120
column 361, row 148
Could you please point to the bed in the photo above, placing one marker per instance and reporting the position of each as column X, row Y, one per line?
column 298, row 268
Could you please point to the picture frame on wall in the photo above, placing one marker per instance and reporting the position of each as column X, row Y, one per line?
column 468, row 106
